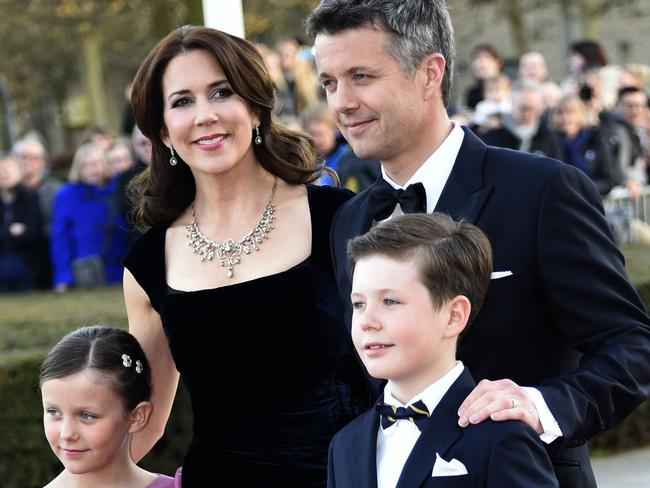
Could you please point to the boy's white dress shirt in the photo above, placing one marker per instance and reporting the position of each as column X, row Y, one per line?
column 394, row 445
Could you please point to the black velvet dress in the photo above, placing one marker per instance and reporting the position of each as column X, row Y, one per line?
column 268, row 363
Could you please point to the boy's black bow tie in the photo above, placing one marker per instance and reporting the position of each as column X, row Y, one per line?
column 384, row 197
column 417, row 412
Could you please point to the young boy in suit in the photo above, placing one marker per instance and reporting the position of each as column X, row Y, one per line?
column 418, row 280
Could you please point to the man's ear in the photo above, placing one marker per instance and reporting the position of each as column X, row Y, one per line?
column 139, row 417
column 459, row 309
column 433, row 68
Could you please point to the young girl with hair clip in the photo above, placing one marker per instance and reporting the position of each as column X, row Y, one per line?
column 96, row 385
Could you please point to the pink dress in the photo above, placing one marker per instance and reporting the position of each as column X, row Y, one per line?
column 164, row 481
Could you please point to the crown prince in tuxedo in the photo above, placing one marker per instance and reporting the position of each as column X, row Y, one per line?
column 562, row 330
column 418, row 281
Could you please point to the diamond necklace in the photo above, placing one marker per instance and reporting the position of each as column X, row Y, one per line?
column 229, row 251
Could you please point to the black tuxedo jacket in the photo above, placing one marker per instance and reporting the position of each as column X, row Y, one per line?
column 496, row 454
column 567, row 320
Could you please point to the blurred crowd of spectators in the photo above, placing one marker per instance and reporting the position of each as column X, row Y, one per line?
column 596, row 119
column 57, row 234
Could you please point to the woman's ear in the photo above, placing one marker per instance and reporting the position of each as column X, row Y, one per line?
column 139, row 417
column 459, row 309
column 256, row 117
column 164, row 137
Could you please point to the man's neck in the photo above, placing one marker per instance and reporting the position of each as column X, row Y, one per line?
column 32, row 181
column 402, row 168
column 8, row 196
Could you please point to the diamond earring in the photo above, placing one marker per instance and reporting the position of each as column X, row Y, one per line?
column 173, row 161
column 258, row 138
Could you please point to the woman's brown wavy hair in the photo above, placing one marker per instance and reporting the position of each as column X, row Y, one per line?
column 162, row 192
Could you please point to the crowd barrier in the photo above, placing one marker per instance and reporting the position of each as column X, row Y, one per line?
column 629, row 218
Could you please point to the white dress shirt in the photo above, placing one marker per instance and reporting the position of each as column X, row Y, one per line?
column 435, row 171
column 433, row 174
column 394, row 445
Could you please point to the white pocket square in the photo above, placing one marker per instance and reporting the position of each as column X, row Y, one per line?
column 495, row 275
column 444, row 468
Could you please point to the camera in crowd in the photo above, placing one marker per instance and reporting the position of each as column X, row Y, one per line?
column 585, row 92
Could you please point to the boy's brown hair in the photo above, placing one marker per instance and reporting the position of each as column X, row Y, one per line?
column 453, row 258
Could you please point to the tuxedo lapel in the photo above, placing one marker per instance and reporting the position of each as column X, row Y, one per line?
column 364, row 454
column 351, row 222
column 465, row 194
column 439, row 434
column 362, row 221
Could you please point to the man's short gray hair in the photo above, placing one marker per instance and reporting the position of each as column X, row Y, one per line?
column 26, row 141
column 417, row 28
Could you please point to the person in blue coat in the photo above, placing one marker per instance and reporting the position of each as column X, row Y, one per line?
column 88, row 239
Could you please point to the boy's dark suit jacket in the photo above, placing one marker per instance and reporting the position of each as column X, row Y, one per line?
column 567, row 320
column 500, row 455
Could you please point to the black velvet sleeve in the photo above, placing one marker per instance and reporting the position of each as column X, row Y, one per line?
column 146, row 262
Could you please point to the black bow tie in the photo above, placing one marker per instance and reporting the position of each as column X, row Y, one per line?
column 417, row 412
column 384, row 197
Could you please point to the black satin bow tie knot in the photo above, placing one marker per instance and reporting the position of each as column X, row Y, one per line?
column 384, row 197
column 417, row 412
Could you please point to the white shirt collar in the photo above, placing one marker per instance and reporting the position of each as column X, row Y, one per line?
column 432, row 394
column 394, row 445
column 435, row 171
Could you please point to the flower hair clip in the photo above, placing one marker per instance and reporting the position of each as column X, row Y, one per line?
column 126, row 362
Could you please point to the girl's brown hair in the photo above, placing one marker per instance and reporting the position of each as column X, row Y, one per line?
column 114, row 354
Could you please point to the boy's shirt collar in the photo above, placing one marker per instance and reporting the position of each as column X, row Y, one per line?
column 432, row 394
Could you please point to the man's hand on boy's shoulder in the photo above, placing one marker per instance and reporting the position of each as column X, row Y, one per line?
column 499, row 400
